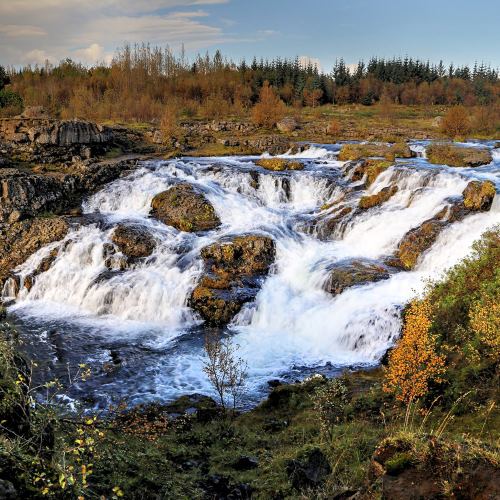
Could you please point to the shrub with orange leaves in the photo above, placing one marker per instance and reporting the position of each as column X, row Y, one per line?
column 485, row 324
column 270, row 109
column 414, row 362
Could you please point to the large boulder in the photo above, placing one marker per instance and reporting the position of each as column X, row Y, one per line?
column 458, row 156
column 355, row 272
column 287, row 125
column 388, row 151
column 185, row 208
column 382, row 196
column 22, row 239
column 478, row 195
column 234, row 270
column 133, row 241
column 279, row 164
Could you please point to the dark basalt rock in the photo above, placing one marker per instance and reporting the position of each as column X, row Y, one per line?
column 185, row 208
column 310, row 470
column 355, row 272
column 234, row 273
column 133, row 241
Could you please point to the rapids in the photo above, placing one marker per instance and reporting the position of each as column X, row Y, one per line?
column 134, row 326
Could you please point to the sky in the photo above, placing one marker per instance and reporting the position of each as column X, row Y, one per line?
column 88, row 31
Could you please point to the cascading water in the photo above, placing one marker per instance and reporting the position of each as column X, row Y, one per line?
column 86, row 309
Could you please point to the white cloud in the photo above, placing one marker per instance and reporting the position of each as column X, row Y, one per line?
column 90, row 30
column 37, row 56
column 21, row 30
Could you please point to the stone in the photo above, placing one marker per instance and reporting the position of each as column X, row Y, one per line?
column 310, row 470
column 457, row 156
column 287, row 124
column 234, row 270
column 133, row 241
column 376, row 199
column 185, row 208
column 245, row 463
column 388, row 151
column 279, row 164
column 478, row 195
column 416, row 241
column 355, row 272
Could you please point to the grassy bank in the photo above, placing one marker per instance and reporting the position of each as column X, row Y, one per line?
column 398, row 430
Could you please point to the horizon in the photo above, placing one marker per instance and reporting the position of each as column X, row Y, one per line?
column 91, row 32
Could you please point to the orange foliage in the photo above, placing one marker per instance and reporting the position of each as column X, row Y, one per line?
column 270, row 109
column 414, row 363
column 456, row 122
column 485, row 323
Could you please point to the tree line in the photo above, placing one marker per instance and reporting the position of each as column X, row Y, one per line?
column 142, row 79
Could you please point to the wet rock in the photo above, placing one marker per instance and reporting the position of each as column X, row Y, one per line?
column 310, row 470
column 378, row 198
column 458, row 156
column 478, row 195
column 355, row 272
column 133, row 241
column 390, row 152
column 24, row 194
column 373, row 168
column 22, row 239
column 44, row 265
column 185, row 208
column 279, row 164
column 287, row 125
column 234, row 272
column 328, row 225
column 7, row 490
column 417, row 241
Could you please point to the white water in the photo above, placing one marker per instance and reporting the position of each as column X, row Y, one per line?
column 293, row 325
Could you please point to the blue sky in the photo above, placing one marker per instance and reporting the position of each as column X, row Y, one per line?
column 89, row 30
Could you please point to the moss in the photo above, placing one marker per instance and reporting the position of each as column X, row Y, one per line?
column 457, row 156
column 378, row 198
column 373, row 168
column 350, row 152
column 279, row 164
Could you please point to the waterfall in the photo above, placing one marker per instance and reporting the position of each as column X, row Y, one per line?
column 293, row 325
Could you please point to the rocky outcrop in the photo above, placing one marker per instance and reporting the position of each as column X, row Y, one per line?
column 279, row 164
column 382, row 196
column 417, row 241
column 51, row 141
column 25, row 194
column 185, row 208
column 355, row 272
column 233, row 274
column 389, row 152
column 133, row 241
column 309, row 470
column 478, row 195
column 22, row 239
column 458, row 156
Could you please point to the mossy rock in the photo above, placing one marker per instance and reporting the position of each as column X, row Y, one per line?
column 133, row 241
column 478, row 195
column 373, row 168
column 234, row 269
column 417, row 241
column 389, row 152
column 185, row 208
column 378, row 198
column 279, row 164
column 458, row 156
column 355, row 272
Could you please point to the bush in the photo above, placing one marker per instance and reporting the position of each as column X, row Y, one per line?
column 455, row 122
column 270, row 109
column 330, row 401
column 10, row 102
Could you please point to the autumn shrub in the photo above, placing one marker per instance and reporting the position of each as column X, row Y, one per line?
column 270, row 109
column 455, row 122
column 414, row 363
column 334, row 128
column 169, row 124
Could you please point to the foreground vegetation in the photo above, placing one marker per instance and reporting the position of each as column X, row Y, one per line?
column 425, row 425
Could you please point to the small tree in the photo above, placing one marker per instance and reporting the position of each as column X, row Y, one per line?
column 330, row 401
column 226, row 372
column 456, row 122
column 414, row 362
column 270, row 109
